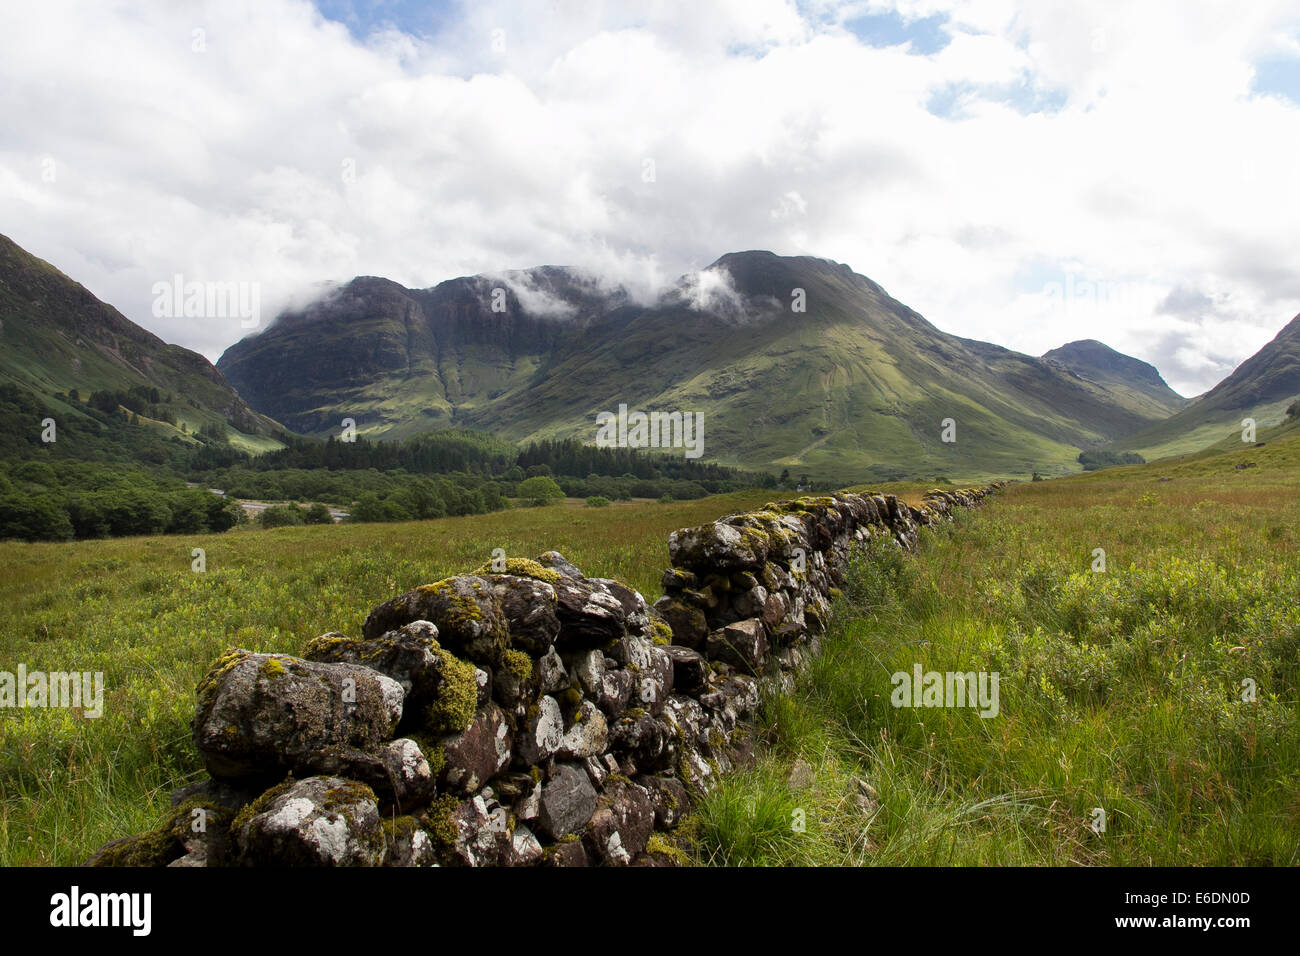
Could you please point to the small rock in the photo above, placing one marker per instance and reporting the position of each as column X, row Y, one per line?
column 801, row 775
column 567, row 803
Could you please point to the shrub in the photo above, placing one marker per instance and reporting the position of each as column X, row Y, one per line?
column 318, row 514
column 597, row 501
column 540, row 489
column 280, row 516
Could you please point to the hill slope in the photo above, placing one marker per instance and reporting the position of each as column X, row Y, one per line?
column 55, row 336
column 1262, row 387
column 1139, row 382
column 857, row 385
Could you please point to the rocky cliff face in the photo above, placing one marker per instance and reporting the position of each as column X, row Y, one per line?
column 524, row 713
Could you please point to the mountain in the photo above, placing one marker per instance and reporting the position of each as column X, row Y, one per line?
column 855, row 385
column 56, row 337
column 1139, row 382
column 1262, row 388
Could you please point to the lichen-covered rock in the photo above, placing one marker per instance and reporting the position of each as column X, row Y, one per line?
column 642, row 742
column 590, row 616
column 219, row 793
column 442, row 691
column 558, row 562
column 569, row 852
column 636, row 613
column 196, row 833
column 524, row 849
column 567, row 802
column 482, row 831
column 408, row 655
column 260, row 715
column 478, row 754
column 743, row 645
column 685, row 718
column 670, row 799
column 655, row 684
column 397, row 772
column 586, row 735
column 529, row 606
column 319, row 821
column 718, row 547
column 676, row 579
column 621, row 825
column 465, row 609
column 407, row 844
column 551, row 674
column 515, row 684
column 775, row 609
column 410, row 773
column 608, row 686
column 539, row 739
column 689, row 625
column 751, row 602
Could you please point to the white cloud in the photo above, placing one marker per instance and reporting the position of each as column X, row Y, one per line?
column 287, row 152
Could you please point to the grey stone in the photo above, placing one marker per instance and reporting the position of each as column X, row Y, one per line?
column 319, row 821
column 263, row 714
column 568, row 801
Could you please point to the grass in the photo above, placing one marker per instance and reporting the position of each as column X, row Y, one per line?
column 1120, row 690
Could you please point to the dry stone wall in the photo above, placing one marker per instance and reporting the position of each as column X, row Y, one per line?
column 520, row 715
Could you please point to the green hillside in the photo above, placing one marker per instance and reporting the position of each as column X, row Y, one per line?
column 56, row 338
column 1262, row 388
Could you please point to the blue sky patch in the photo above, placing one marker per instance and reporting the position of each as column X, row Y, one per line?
column 417, row 17
column 1025, row 97
column 926, row 35
column 1280, row 76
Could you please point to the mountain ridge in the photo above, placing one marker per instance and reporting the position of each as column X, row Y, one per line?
column 855, row 381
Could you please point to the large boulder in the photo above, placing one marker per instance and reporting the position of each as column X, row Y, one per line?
column 319, row 821
column 260, row 715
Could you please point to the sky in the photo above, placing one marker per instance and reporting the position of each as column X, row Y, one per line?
column 1026, row 173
